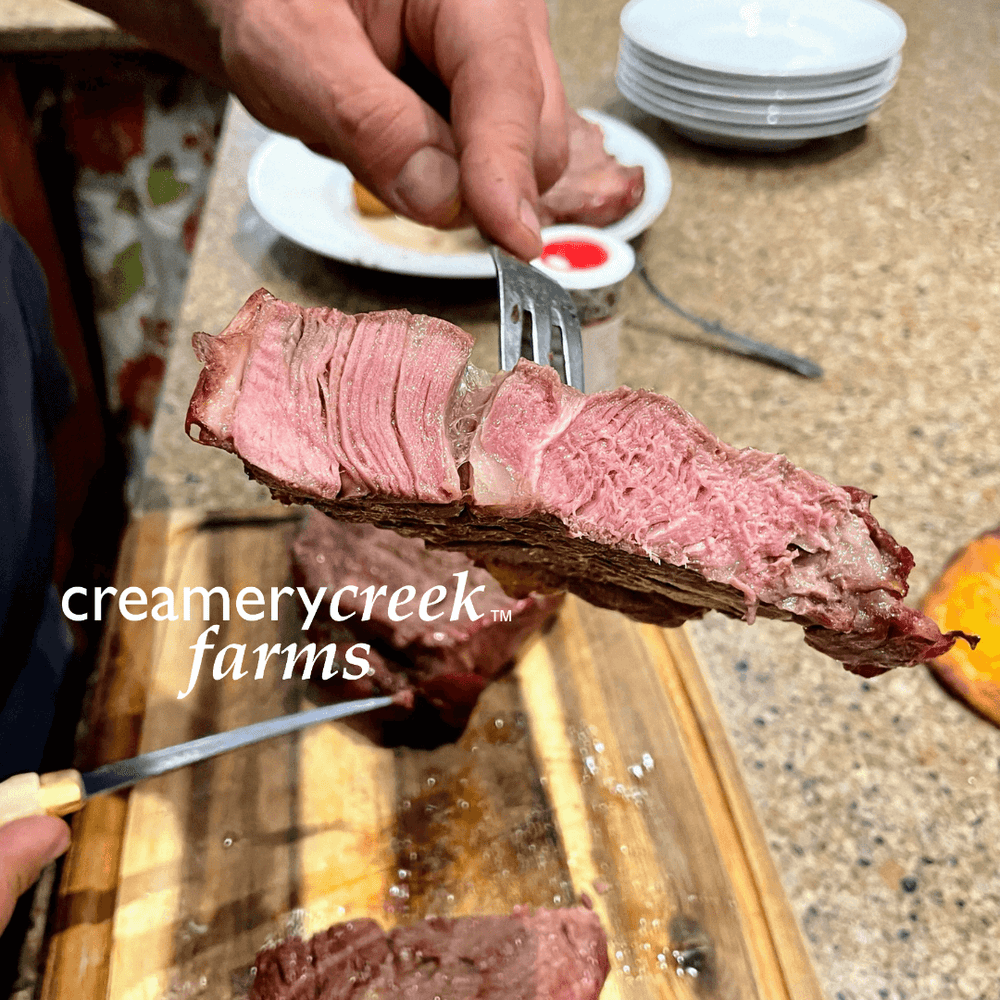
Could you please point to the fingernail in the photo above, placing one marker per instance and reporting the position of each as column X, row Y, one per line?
column 530, row 220
column 428, row 181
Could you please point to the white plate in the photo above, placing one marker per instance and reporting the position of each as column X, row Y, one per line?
column 742, row 90
column 697, row 74
column 745, row 113
column 308, row 198
column 776, row 137
column 823, row 109
column 767, row 37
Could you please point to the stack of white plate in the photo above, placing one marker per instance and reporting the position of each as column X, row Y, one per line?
column 759, row 74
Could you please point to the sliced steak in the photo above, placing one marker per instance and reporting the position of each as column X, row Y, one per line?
column 548, row 955
column 621, row 497
column 595, row 189
column 437, row 649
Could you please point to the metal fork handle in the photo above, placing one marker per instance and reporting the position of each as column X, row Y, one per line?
column 737, row 342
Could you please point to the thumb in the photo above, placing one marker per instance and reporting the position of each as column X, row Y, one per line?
column 395, row 143
column 340, row 99
column 26, row 847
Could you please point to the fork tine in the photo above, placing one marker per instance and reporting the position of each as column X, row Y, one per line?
column 572, row 346
column 510, row 328
column 541, row 332
column 523, row 290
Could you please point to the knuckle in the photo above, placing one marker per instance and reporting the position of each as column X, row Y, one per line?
column 366, row 121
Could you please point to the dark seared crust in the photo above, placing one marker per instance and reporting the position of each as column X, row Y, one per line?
column 513, row 549
column 583, row 567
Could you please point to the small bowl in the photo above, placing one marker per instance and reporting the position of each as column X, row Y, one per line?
column 767, row 38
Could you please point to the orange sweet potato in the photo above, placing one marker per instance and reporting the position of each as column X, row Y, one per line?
column 967, row 597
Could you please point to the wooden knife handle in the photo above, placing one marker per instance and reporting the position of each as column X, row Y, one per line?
column 54, row 794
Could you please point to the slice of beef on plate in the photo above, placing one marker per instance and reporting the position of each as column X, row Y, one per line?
column 621, row 497
column 432, row 623
column 595, row 189
column 548, row 955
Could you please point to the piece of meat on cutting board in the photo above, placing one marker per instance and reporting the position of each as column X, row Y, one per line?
column 621, row 497
column 548, row 955
column 435, row 624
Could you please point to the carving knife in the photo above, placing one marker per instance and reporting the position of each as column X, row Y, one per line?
column 62, row 792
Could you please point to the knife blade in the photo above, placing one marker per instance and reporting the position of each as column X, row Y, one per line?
column 62, row 792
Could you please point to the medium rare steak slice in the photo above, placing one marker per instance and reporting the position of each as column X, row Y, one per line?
column 422, row 630
column 595, row 189
column 621, row 497
column 548, row 955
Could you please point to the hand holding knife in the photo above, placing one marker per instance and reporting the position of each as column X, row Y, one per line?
column 61, row 792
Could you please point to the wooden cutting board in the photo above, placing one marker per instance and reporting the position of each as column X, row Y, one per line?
column 598, row 768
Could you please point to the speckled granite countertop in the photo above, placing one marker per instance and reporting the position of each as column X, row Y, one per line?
column 878, row 255
column 57, row 25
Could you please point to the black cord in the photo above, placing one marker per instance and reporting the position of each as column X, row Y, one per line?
column 736, row 342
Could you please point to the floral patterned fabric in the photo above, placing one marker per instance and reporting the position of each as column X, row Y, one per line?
column 144, row 145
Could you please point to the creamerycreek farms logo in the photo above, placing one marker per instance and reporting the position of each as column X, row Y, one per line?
column 252, row 605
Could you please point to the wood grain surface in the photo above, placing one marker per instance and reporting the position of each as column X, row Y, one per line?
column 598, row 768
